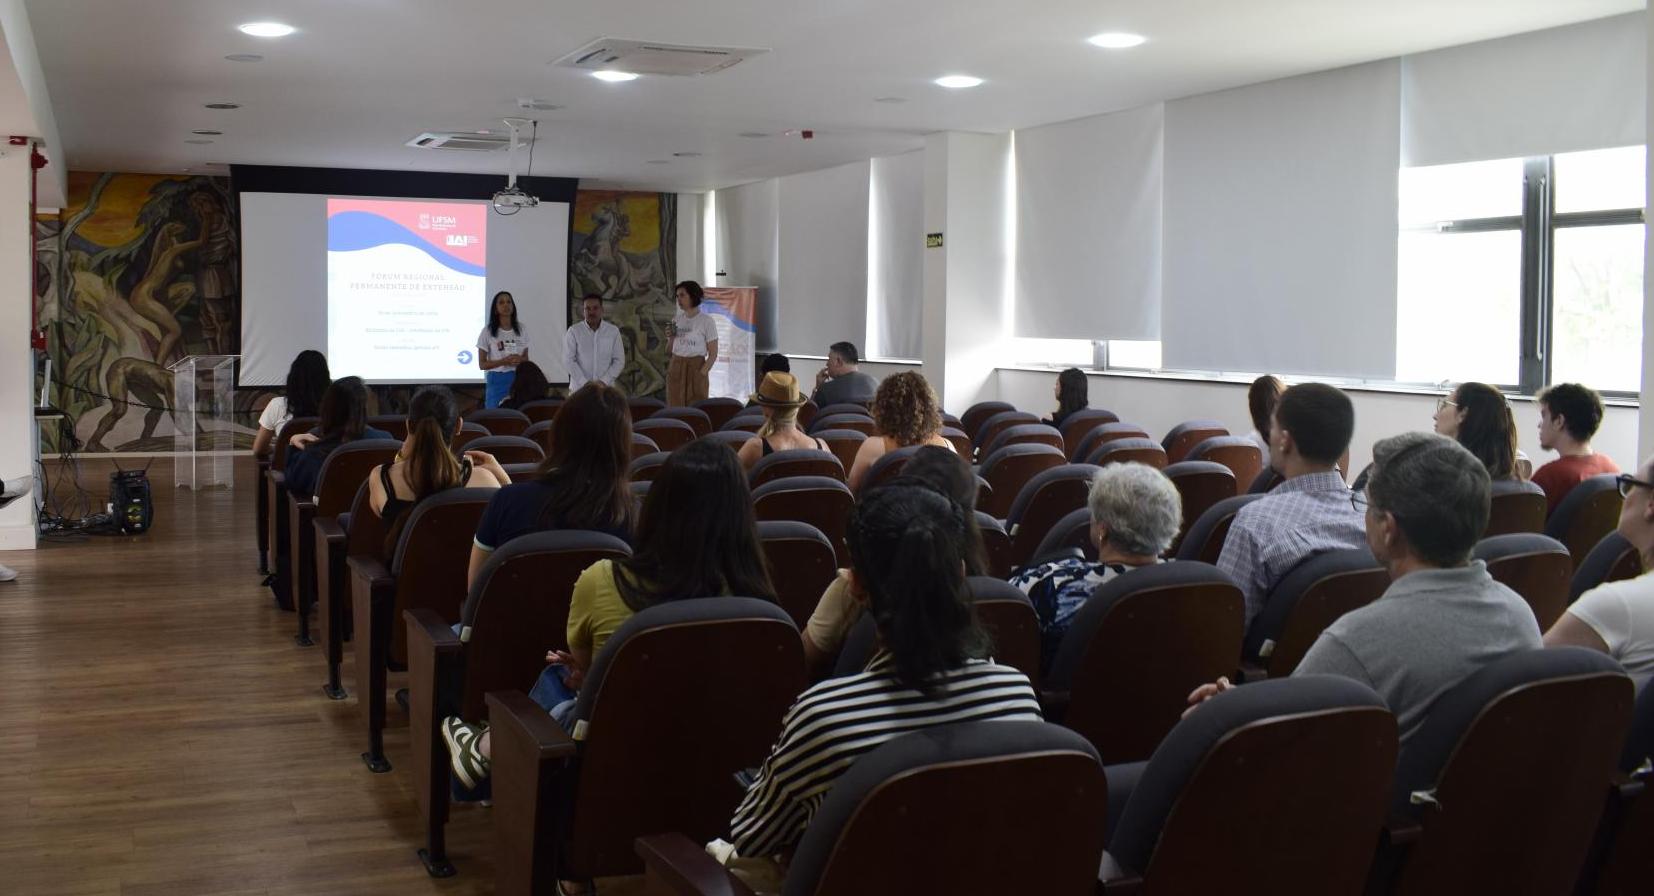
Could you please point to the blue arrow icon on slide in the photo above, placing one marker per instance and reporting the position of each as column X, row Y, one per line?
column 465, row 356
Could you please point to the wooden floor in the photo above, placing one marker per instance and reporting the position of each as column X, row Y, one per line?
column 161, row 734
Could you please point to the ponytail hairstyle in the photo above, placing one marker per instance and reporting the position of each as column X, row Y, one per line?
column 344, row 411
column 1488, row 429
column 1073, row 393
column 307, row 379
column 947, row 474
column 431, row 466
column 908, row 544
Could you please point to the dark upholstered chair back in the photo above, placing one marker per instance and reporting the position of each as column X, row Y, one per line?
column 432, row 557
column 663, row 729
column 642, row 444
column 975, row 793
column 1107, row 432
column 1308, row 599
column 734, row 438
column 1591, row 511
column 345, row 471
column 1622, row 861
column 862, row 423
column 647, row 467
column 1265, row 481
column 468, row 432
column 719, row 410
column 1131, row 450
column 1200, row 484
column 1138, row 646
column 1553, row 720
column 278, row 448
column 961, row 442
column 395, row 424
column 642, row 407
column 510, row 449
column 668, row 433
column 998, row 423
column 1238, row 453
column 697, row 419
column 971, row 421
column 802, row 564
column 996, row 543
column 843, row 407
column 365, row 534
column 1009, row 469
column 747, row 423
column 795, row 462
column 540, row 432
column 1275, row 787
column 887, row 467
column 844, row 443
column 542, row 410
column 1042, row 503
column 1025, row 433
column 1186, row 435
column 1517, row 506
column 1002, row 610
column 807, row 414
column 1076, row 426
column 1204, row 540
column 500, row 421
column 1532, row 565
column 519, row 608
column 1612, row 560
column 821, row 501
column 1072, row 531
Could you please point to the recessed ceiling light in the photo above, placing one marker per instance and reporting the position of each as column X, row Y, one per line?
column 244, row 57
column 222, row 106
column 753, row 134
column 199, row 141
column 957, row 81
column 205, row 132
column 686, row 155
column 1116, row 40
column 660, row 161
column 266, row 29
column 891, row 99
column 614, row 76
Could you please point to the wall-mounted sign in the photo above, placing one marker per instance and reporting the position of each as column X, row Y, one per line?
column 933, row 241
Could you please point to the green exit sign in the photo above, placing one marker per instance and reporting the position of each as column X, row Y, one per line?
column 933, row 241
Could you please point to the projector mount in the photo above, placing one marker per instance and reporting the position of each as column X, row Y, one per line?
column 512, row 199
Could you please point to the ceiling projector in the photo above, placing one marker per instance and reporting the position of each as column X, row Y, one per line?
column 513, row 199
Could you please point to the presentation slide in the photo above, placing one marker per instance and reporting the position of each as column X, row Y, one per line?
column 395, row 289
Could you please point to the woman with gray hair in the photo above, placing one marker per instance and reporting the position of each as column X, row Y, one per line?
column 1135, row 515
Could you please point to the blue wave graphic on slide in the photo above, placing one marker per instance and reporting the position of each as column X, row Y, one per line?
column 354, row 231
column 715, row 307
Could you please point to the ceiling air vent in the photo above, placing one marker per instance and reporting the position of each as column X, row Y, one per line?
column 461, row 140
column 646, row 58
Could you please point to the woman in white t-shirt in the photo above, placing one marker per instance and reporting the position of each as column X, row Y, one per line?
column 694, row 348
column 501, row 346
column 307, row 379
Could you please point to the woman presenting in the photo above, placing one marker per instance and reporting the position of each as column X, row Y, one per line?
column 694, row 348
column 501, row 346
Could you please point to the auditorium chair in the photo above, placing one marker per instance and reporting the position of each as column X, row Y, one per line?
column 1025, row 434
column 749, row 424
column 426, row 571
column 973, row 807
column 275, row 502
column 519, row 472
column 1008, row 470
column 1266, row 480
column 542, row 410
column 1276, row 787
column 1041, row 503
column 1107, row 432
column 861, row 423
column 647, row 467
column 500, row 421
column 540, row 432
column 718, row 410
column 360, row 532
column 668, row 433
column 1622, row 862
column 1204, row 540
column 1122, row 451
column 950, row 420
column 641, row 445
column 659, row 732
column 1534, row 566
column 1238, row 453
column 468, row 432
column 1001, row 609
column 1501, row 788
column 821, row 501
column 1308, row 599
column 844, row 443
column 996, row 544
column 1076, row 426
column 984, row 437
column 514, row 613
column 843, row 407
column 961, row 442
column 696, row 419
column 971, row 421
column 802, row 563
column 887, row 467
column 1612, row 560
column 1517, row 506
column 342, row 474
column 794, row 462
column 1123, row 671
column 1071, row 533
column 734, row 438
column 261, row 511
column 1200, row 485
column 1589, row 512
column 1186, row 435
column 807, row 413
column 642, row 407
column 395, row 424
column 509, row 449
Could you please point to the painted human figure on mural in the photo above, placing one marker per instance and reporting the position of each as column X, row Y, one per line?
column 148, row 296
column 134, row 380
column 215, row 281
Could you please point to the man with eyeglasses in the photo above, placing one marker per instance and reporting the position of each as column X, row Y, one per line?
column 1617, row 618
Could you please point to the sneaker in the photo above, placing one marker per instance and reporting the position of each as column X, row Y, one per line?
column 7, row 574
column 464, row 753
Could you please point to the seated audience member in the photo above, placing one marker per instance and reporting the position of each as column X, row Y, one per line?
column 907, row 413
column 1308, row 513
column 1617, row 618
column 1443, row 617
column 908, row 546
column 1569, row 415
column 1135, row 515
column 426, row 464
column 697, row 537
column 307, row 379
column 943, row 472
column 775, row 362
column 344, row 414
column 1479, row 418
column 842, row 380
column 1073, row 393
column 1261, row 399
column 529, row 385
column 778, row 395
column 582, row 483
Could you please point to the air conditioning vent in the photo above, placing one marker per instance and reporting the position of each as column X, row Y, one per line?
column 646, row 58
column 461, row 140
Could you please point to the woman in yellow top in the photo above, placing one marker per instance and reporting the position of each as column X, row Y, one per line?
column 696, row 538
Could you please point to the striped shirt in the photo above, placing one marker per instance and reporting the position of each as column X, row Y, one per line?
column 838, row 720
column 1303, row 516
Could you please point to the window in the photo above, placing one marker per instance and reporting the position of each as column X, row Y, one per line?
column 1523, row 272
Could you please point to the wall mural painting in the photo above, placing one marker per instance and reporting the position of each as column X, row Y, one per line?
column 623, row 247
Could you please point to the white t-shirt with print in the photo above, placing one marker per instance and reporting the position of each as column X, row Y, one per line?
column 275, row 414
column 1622, row 614
column 504, row 345
column 693, row 334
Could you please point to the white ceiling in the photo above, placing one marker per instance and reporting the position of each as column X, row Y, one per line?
column 128, row 79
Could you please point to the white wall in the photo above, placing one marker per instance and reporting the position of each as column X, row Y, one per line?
column 692, row 235
column 1645, row 444
column 17, row 522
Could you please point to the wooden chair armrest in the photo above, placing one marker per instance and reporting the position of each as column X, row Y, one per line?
column 370, row 569
column 275, row 477
column 430, row 632
column 1249, row 673
column 328, row 528
column 1113, row 877
column 511, row 715
column 675, row 864
column 1054, row 704
column 1401, row 831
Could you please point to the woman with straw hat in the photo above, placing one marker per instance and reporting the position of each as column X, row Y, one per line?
column 778, row 395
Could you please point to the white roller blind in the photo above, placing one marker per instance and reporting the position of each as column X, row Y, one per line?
column 748, row 242
column 691, row 238
column 895, row 257
column 1088, row 227
column 823, row 296
column 1280, row 226
column 1559, row 90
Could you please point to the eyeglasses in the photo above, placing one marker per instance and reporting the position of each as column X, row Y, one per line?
column 1445, row 402
column 1358, row 500
column 1626, row 482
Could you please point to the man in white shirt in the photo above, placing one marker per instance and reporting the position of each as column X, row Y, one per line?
column 591, row 348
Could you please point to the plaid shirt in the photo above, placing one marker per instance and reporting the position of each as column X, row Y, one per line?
column 1303, row 516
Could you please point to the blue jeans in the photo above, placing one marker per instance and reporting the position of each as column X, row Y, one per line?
column 498, row 385
column 553, row 694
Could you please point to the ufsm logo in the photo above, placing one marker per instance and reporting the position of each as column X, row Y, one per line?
column 461, row 239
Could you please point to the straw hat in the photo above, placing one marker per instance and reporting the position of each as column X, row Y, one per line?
column 778, row 390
